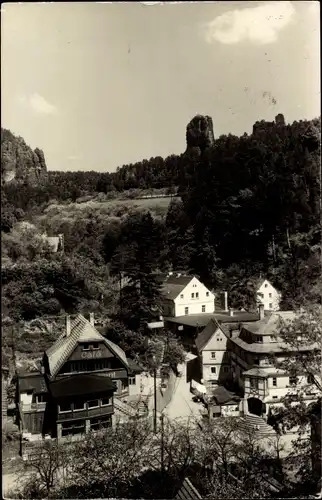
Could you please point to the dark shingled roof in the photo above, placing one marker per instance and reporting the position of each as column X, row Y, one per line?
column 221, row 395
column 173, row 285
column 206, row 334
column 202, row 320
column 77, row 385
column 32, row 382
column 187, row 492
column 134, row 367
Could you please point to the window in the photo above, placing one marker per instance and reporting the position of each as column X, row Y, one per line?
column 273, row 338
column 192, row 295
column 96, row 346
column 225, row 369
column 75, row 427
column 265, row 285
column 260, row 339
column 310, row 379
column 79, row 405
column 93, row 403
column 41, row 398
column 213, row 355
column 97, row 423
column 270, row 305
column 213, row 369
column 207, row 294
column 106, row 401
column 293, row 380
column 132, row 381
column 197, row 295
column 64, row 407
column 203, row 309
column 85, row 347
column 256, row 361
column 274, row 382
column 181, row 296
column 186, row 310
column 274, row 397
column 254, row 383
column 270, row 295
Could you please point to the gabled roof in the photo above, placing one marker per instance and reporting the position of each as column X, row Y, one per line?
column 270, row 323
column 187, row 492
column 81, row 330
column 206, row 334
column 172, row 285
column 260, row 282
column 76, row 385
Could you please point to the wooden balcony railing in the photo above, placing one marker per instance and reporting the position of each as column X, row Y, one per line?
column 86, row 413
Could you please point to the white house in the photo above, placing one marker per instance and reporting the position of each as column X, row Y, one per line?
column 213, row 356
column 268, row 295
column 185, row 295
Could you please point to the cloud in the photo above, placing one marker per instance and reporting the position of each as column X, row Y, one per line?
column 38, row 104
column 259, row 24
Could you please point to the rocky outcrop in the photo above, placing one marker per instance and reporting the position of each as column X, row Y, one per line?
column 19, row 162
column 200, row 133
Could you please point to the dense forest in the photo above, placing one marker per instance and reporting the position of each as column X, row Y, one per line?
column 246, row 206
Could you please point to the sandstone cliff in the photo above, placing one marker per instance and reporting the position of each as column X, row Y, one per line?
column 200, row 133
column 19, row 162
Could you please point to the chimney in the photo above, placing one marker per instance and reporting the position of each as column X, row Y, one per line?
column 261, row 311
column 67, row 325
column 61, row 242
column 91, row 319
column 231, row 312
column 226, row 301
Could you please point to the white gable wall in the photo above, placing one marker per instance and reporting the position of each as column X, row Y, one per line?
column 193, row 297
column 270, row 296
column 215, row 363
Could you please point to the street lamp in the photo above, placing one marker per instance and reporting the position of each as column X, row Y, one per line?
column 155, row 394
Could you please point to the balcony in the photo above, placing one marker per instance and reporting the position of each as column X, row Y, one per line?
column 86, row 413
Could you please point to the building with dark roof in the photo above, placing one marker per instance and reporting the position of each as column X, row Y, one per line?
column 83, row 377
column 240, row 354
column 184, row 295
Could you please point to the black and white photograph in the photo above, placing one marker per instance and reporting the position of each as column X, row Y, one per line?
column 161, row 238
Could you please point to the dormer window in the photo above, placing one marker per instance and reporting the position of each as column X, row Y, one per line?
column 95, row 345
column 85, row 347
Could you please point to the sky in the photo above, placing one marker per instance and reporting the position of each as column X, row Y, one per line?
column 101, row 85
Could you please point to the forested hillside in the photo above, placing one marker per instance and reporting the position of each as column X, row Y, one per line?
column 247, row 206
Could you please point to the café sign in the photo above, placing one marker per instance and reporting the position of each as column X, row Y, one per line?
column 91, row 354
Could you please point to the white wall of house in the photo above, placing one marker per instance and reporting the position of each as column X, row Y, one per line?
column 269, row 296
column 135, row 385
column 195, row 298
column 231, row 410
column 215, row 364
column 25, row 398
